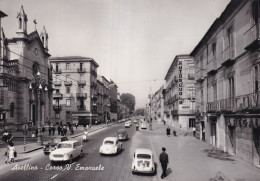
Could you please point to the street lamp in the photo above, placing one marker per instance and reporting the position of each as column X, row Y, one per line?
column 36, row 86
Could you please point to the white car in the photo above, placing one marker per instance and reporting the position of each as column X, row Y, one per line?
column 135, row 121
column 130, row 122
column 66, row 151
column 110, row 145
column 143, row 125
column 143, row 161
column 127, row 124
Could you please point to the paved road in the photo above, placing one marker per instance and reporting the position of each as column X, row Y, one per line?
column 190, row 160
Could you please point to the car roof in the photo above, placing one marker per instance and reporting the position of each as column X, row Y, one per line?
column 70, row 141
column 143, row 150
column 110, row 138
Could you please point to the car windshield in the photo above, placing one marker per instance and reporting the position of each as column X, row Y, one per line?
column 144, row 156
column 64, row 145
column 109, row 142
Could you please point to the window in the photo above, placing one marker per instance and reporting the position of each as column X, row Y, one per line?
column 12, row 110
column 213, row 50
column 20, row 23
column 68, row 90
column 256, row 76
column 68, row 78
column 191, row 73
column 80, row 66
column 68, row 102
column 67, row 66
column 230, row 37
column 57, row 67
column 231, row 91
column 57, row 77
column 67, row 115
column 214, row 91
column 57, row 115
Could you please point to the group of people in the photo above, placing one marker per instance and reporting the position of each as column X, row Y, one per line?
column 7, row 137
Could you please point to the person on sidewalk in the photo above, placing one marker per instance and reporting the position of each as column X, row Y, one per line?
column 164, row 162
column 10, row 153
column 168, row 131
column 194, row 131
column 53, row 130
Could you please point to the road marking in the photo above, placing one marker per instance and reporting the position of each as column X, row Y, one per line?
column 54, row 176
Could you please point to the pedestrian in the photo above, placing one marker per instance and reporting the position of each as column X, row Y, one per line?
column 203, row 133
column 164, row 162
column 76, row 125
column 50, row 131
column 53, row 130
column 164, row 122
column 43, row 129
column 10, row 153
column 65, row 129
column 168, row 131
column 36, row 133
column 59, row 130
column 194, row 131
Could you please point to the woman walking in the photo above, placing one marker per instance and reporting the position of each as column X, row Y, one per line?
column 10, row 153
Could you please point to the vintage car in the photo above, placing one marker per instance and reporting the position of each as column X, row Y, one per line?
column 135, row 121
column 122, row 134
column 127, row 124
column 130, row 122
column 143, row 125
column 66, row 151
column 143, row 161
column 52, row 143
column 111, row 145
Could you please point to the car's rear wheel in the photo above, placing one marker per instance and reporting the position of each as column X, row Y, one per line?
column 71, row 159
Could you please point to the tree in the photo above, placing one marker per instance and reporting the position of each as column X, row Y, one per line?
column 139, row 112
column 128, row 100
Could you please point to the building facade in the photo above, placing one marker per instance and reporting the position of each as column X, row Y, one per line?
column 227, row 85
column 75, row 95
column 179, row 93
column 113, row 100
column 25, row 77
column 157, row 104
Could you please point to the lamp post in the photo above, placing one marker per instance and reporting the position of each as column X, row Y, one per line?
column 36, row 86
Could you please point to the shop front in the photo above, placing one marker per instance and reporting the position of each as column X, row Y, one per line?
column 243, row 137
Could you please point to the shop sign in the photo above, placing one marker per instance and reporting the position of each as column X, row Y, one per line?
column 180, row 82
column 243, row 122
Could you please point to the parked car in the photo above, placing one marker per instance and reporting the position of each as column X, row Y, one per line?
column 135, row 121
column 143, row 161
column 110, row 145
column 52, row 143
column 130, row 122
column 143, row 125
column 66, row 151
column 122, row 134
column 127, row 124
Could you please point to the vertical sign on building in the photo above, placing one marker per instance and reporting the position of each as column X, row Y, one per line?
column 180, row 82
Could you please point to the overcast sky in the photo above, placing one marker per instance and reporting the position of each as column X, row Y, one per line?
column 133, row 41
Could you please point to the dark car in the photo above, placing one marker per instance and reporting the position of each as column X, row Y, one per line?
column 122, row 134
column 52, row 143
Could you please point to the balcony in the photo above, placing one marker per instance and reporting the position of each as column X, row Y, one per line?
column 81, row 95
column 228, row 56
column 68, row 83
column 93, row 85
column 81, row 82
column 81, row 70
column 252, row 41
column 81, row 107
column 57, row 71
column 57, row 96
column 57, row 108
column 243, row 103
column 57, row 83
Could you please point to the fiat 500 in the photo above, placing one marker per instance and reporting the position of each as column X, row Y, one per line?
column 143, row 161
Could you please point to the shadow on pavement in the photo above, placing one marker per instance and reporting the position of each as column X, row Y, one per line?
column 219, row 154
column 168, row 171
column 220, row 176
column 22, row 159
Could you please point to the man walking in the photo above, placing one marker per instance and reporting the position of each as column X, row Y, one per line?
column 164, row 161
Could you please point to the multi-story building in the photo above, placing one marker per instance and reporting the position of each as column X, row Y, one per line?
column 113, row 100
column 100, row 99
column 106, row 99
column 179, row 94
column 227, row 85
column 75, row 84
column 157, row 104
column 25, row 77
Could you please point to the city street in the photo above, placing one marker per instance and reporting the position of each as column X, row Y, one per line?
column 190, row 159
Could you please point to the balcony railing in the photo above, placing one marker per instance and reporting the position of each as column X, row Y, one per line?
column 239, row 103
column 57, row 107
column 57, row 83
column 228, row 56
column 57, row 96
column 81, row 82
column 68, row 83
column 57, row 71
column 81, row 70
column 81, row 107
column 251, row 37
column 81, row 95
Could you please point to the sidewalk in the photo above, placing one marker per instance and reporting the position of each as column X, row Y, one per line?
column 30, row 147
column 193, row 159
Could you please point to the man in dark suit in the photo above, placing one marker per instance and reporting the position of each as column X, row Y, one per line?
column 164, row 161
